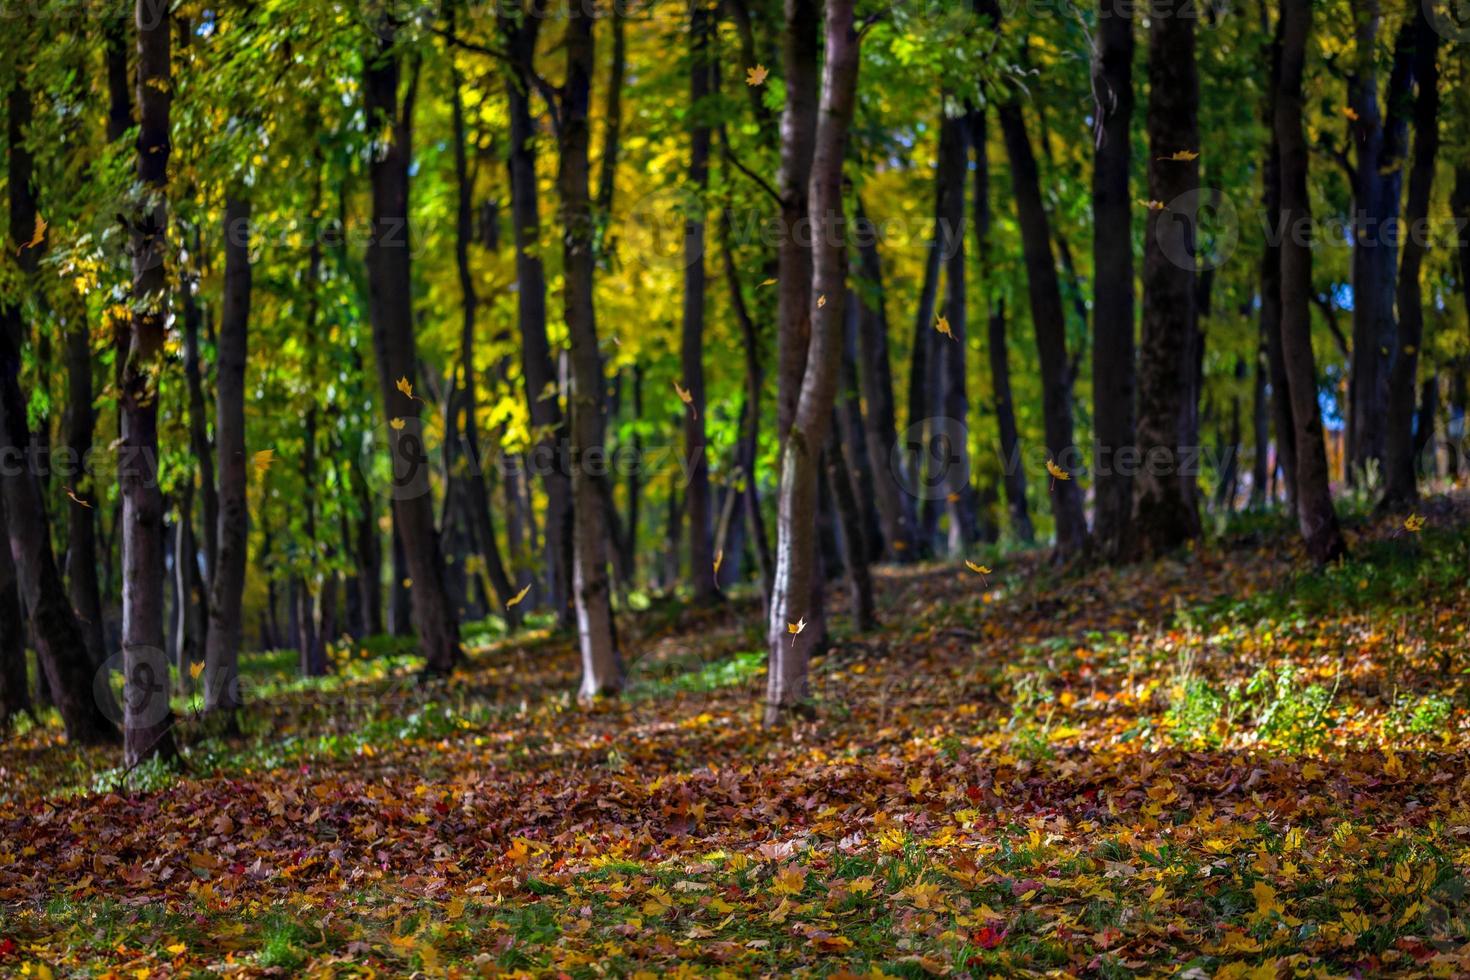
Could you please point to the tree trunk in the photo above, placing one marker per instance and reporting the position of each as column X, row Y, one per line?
column 1380, row 137
column 1315, row 514
column 520, row 33
column 15, row 692
column 953, row 167
column 1112, row 258
column 854, row 536
column 391, row 291
column 1402, row 476
column 1281, row 420
column 602, row 664
column 82, row 558
column 222, row 693
column 858, row 463
column 1260, row 433
column 875, row 380
column 1165, row 513
column 1048, row 321
column 691, row 348
column 787, row 682
column 148, row 720
column 199, row 421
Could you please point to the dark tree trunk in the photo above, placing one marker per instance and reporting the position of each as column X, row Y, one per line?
column 520, row 33
column 858, row 463
column 854, row 537
column 1112, row 255
column 1402, row 476
column 1260, row 433
column 1281, row 420
column 148, row 720
column 226, row 589
column 476, row 486
column 953, row 167
column 1314, row 497
column 1165, row 514
column 400, row 608
column 796, row 553
column 691, row 348
column 1380, row 138
column 875, row 380
column 390, row 285
column 15, row 692
column 1048, row 320
column 199, row 443
column 602, row 665
column 82, row 558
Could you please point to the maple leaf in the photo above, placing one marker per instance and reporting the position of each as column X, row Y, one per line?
column 1181, row 156
column 941, row 324
column 988, row 937
column 795, row 628
column 75, row 499
column 1057, row 473
column 196, row 668
column 1413, row 524
column 406, row 386
column 981, row 570
column 516, row 599
column 821, row 301
column 756, row 76
column 1351, row 113
column 264, row 459
column 790, row 880
column 37, row 237
column 396, row 424
column 686, row 396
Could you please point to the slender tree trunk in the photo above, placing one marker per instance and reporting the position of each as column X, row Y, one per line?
column 15, row 692
column 391, row 287
column 875, row 380
column 1260, row 433
column 1113, row 379
column 1048, row 320
column 1314, row 497
column 82, row 558
column 148, row 720
column 520, row 33
column 697, row 507
column 787, row 681
column 953, row 167
column 1380, row 142
column 602, row 665
column 1281, row 420
column 199, row 443
column 1402, row 476
column 222, row 694
column 849, row 409
column 1165, row 514
column 476, row 485
column 854, row 536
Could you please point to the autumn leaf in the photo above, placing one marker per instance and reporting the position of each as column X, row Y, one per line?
column 1351, row 113
column 1181, row 156
column 196, row 668
column 941, row 324
column 264, row 459
column 396, row 424
column 1414, row 524
column 1154, row 205
column 795, row 628
column 516, row 599
column 37, row 236
column 821, row 301
column 768, row 282
column 406, row 386
column 686, row 396
column 77, row 500
column 790, row 880
column 981, row 570
column 756, row 76
column 1057, row 473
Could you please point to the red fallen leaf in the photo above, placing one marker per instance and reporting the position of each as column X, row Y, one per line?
column 988, row 937
column 973, row 792
column 7, row 947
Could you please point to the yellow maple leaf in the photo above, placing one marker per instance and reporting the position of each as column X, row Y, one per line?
column 790, row 880
column 1351, row 113
column 37, row 237
column 821, row 301
column 396, row 424
column 1413, row 524
column 768, row 282
column 941, row 323
column 981, row 570
column 406, row 386
column 686, row 396
column 756, row 76
column 1182, row 156
column 795, row 628
column 264, row 459
column 1057, row 473
column 515, row 600
column 196, row 668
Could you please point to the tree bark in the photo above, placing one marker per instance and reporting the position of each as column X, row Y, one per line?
column 520, row 31
column 1113, row 379
column 854, row 536
column 148, row 720
column 1402, row 477
column 691, row 347
column 602, row 664
column 1281, row 419
column 875, row 381
column 787, row 680
column 199, row 443
column 222, row 694
column 953, row 167
column 1165, row 512
column 391, row 290
column 15, row 692
column 1315, row 513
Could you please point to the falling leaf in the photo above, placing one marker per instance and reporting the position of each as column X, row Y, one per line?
column 686, row 396
column 795, row 628
column 1182, row 156
column 196, row 668
column 981, row 570
column 821, row 301
column 719, row 560
column 941, row 323
column 515, row 600
column 406, row 386
column 396, row 425
column 768, row 282
column 1153, row 205
column 1057, row 473
column 77, row 500
column 756, row 76
column 37, row 237
column 264, row 459
column 1351, row 113
column 1413, row 524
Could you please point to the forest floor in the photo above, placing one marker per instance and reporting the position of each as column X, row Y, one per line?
column 1219, row 765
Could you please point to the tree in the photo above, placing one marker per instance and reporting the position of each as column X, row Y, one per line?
column 390, row 283
column 1165, row 513
column 1113, row 378
column 1403, row 446
column 790, row 649
column 1314, row 508
column 222, row 649
column 691, row 347
column 1270, row 288
column 953, row 165
column 148, row 719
